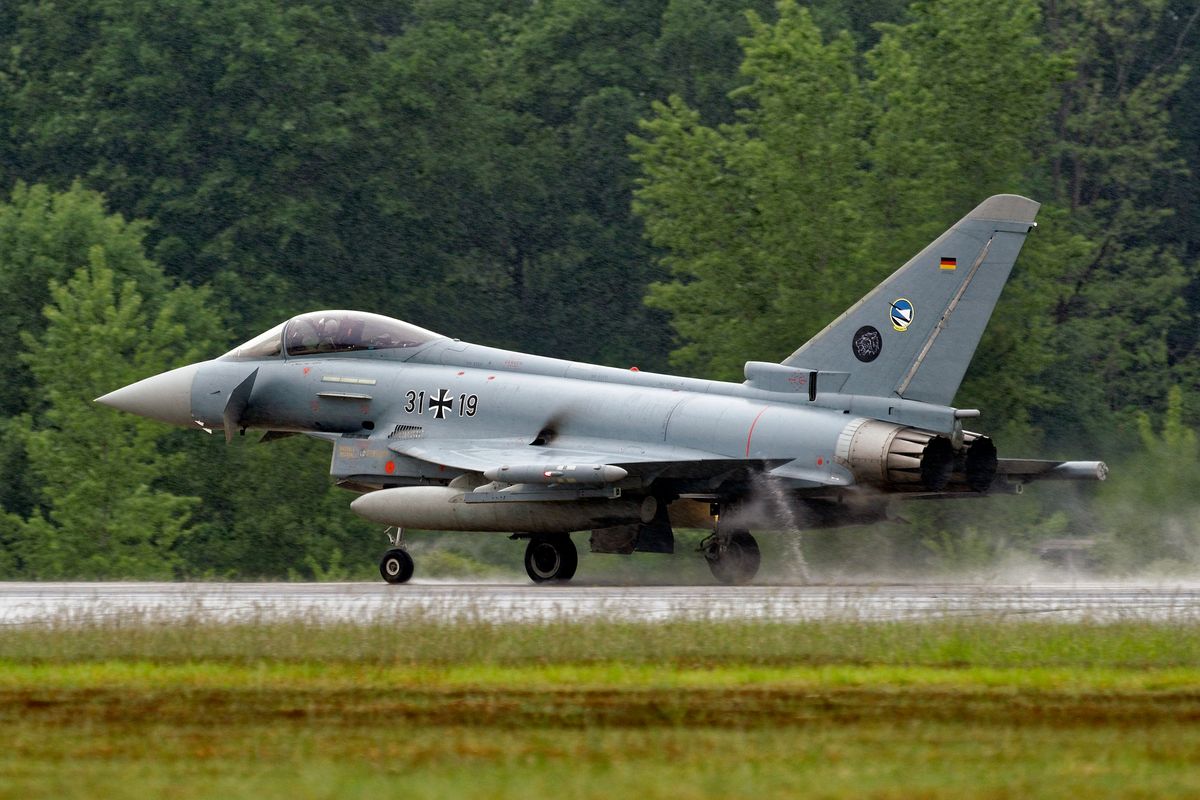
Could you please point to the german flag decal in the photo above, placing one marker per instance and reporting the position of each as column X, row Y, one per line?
column 949, row 263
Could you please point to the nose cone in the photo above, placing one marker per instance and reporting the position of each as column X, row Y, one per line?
column 166, row 397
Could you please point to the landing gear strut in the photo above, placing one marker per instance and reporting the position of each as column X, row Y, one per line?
column 551, row 558
column 732, row 556
column 396, row 566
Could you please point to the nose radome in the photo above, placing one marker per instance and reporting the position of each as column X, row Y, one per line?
column 166, row 397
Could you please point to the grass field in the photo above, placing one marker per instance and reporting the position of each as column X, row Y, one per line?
column 680, row 710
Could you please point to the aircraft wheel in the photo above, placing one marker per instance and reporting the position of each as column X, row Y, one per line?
column 737, row 562
column 396, row 566
column 551, row 558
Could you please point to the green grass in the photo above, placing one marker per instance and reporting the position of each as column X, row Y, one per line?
column 420, row 640
column 682, row 710
column 495, row 679
column 884, row 760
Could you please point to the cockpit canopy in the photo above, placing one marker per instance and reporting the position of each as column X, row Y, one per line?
column 322, row 332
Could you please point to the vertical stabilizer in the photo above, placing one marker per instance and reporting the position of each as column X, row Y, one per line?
column 914, row 335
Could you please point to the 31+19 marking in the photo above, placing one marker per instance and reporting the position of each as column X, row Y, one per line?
column 440, row 405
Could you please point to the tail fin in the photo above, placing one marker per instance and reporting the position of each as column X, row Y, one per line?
column 913, row 335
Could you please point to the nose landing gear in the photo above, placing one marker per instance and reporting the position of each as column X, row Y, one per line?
column 396, row 566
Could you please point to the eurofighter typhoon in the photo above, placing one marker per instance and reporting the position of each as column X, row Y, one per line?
column 440, row 434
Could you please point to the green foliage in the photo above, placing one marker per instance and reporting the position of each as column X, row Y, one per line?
column 726, row 204
column 270, row 511
column 96, row 469
column 331, row 570
column 829, row 181
column 225, row 123
column 345, row 155
column 953, row 128
column 1121, row 331
column 1149, row 514
column 46, row 236
column 446, row 563
column 697, row 49
column 89, row 313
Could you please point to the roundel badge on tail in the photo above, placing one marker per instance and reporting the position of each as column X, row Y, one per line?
column 902, row 314
column 867, row 344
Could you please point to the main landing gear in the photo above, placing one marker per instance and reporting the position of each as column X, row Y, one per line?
column 732, row 556
column 551, row 558
column 396, row 566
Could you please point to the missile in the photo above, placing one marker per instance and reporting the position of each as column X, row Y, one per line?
column 595, row 474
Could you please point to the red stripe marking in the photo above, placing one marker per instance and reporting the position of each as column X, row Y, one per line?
column 750, row 433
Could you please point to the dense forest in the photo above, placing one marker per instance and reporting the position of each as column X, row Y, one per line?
column 676, row 184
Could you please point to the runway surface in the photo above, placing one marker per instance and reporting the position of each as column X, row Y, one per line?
column 81, row 603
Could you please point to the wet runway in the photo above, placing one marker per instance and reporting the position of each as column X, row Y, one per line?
column 79, row 603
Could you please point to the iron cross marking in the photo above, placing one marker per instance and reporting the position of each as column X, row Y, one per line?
column 441, row 405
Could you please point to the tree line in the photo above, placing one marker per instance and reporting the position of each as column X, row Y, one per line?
column 678, row 183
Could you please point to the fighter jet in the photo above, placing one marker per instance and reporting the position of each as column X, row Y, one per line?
column 439, row 434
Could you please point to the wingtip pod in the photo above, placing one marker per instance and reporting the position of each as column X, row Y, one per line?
column 1009, row 207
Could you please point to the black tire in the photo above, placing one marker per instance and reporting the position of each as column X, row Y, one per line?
column 739, row 562
column 570, row 560
column 551, row 559
column 396, row 566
